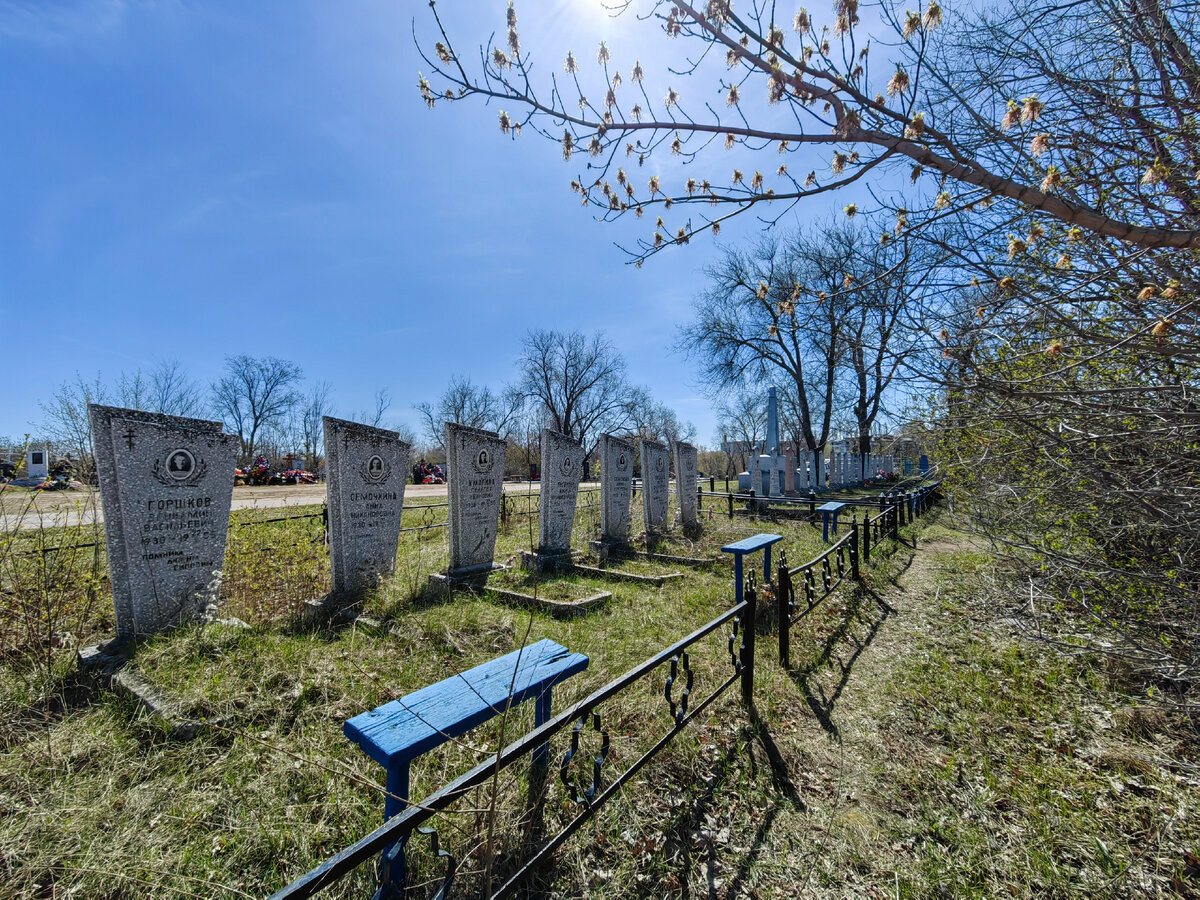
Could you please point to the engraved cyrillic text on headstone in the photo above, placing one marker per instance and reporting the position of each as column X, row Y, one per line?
column 167, row 487
column 476, row 459
column 562, row 466
column 616, row 487
column 367, row 468
column 656, row 474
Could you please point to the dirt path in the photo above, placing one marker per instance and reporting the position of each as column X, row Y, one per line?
column 829, row 725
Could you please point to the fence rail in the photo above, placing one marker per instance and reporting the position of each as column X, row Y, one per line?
column 820, row 577
column 513, row 505
column 582, row 716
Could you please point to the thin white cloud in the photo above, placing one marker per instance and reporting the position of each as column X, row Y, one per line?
column 55, row 24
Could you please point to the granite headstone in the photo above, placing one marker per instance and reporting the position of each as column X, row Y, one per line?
column 166, row 484
column 616, row 487
column 562, row 467
column 686, row 466
column 656, row 475
column 367, row 469
column 476, row 459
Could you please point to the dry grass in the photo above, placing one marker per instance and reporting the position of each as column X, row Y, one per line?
column 915, row 749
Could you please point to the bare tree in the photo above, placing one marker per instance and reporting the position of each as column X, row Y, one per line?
column 132, row 391
column 312, row 425
column 66, row 420
column 476, row 406
column 768, row 317
column 741, row 424
column 577, row 382
column 374, row 416
column 173, row 392
column 648, row 418
column 255, row 393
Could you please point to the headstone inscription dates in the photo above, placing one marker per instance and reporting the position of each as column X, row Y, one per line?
column 686, row 466
column 562, row 466
column 616, row 488
column 367, row 468
column 656, row 465
column 476, row 482
column 166, row 484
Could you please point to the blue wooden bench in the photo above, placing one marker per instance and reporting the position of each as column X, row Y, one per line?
column 397, row 732
column 739, row 549
column 827, row 510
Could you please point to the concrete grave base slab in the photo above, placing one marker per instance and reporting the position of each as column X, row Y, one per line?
column 106, row 665
column 682, row 560
column 466, row 579
column 611, row 575
column 604, row 552
column 604, row 549
column 560, row 609
column 546, row 562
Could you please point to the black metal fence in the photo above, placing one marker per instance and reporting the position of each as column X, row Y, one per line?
column 513, row 505
column 756, row 503
column 583, row 784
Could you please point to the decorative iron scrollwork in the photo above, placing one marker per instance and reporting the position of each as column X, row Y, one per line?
column 826, row 575
column 785, row 584
column 810, row 587
column 841, row 562
column 679, row 708
column 451, row 862
column 584, row 799
column 735, row 645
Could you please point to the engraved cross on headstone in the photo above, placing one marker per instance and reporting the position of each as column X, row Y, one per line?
column 129, row 435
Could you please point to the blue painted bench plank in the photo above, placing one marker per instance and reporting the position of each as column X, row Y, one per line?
column 397, row 732
column 832, row 508
column 753, row 544
column 407, row 727
column 750, row 544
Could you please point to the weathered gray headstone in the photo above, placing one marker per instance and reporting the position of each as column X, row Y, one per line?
column 166, row 484
column 616, row 487
column 789, row 476
column 753, row 480
column 367, row 469
column 562, row 466
column 686, row 466
column 777, row 475
column 476, row 459
column 656, row 475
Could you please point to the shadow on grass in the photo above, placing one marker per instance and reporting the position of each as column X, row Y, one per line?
column 72, row 692
column 855, row 630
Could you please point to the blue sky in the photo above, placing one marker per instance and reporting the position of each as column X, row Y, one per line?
column 194, row 179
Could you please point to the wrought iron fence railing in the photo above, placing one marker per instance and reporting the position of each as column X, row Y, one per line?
column 818, row 578
column 844, row 557
column 428, row 516
column 582, row 783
